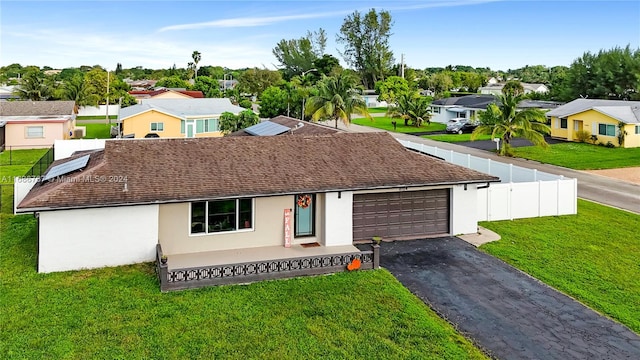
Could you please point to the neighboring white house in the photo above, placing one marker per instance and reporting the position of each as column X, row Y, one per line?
column 496, row 88
column 202, row 199
column 449, row 108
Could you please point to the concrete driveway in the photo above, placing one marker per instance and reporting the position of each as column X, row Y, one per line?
column 504, row 311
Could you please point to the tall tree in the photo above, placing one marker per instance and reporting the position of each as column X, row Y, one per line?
column 255, row 81
column 327, row 65
column 230, row 122
column 392, row 88
column 273, row 102
column 366, row 44
column 173, row 82
column 209, row 86
column 298, row 55
column 609, row 74
column 411, row 108
column 196, row 56
column 338, row 97
column 506, row 122
column 79, row 90
column 33, row 86
column 513, row 88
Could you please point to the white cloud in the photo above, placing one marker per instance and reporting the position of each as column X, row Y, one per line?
column 249, row 21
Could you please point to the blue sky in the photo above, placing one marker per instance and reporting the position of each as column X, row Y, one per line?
column 156, row 34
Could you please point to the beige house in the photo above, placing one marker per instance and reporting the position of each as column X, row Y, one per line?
column 164, row 93
column 207, row 202
column 37, row 124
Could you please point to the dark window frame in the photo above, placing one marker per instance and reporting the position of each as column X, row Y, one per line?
column 606, row 127
column 204, row 217
column 564, row 123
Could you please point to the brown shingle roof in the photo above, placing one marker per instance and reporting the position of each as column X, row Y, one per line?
column 36, row 108
column 307, row 128
column 170, row 170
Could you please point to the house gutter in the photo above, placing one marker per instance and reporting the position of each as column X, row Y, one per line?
column 174, row 201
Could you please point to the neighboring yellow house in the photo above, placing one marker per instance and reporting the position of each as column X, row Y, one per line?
column 176, row 118
column 602, row 119
column 36, row 124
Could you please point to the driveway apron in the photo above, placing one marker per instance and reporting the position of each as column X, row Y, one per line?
column 503, row 310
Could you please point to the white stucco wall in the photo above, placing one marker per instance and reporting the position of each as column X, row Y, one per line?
column 21, row 187
column 338, row 218
column 464, row 217
column 65, row 148
column 93, row 238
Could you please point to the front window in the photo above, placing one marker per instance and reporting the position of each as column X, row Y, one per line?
column 606, row 129
column 305, row 213
column 637, row 129
column 563, row 123
column 157, row 126
column 32, row 132
column 221, row 216
column 435, row 109
column 206, row 125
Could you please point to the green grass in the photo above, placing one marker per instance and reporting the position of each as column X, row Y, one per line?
column 581, row 156
column 593, row 256
column 377, row 110
column 97, row 131
column 119, row 313
column 384, row 123
column 95, row 117
column 452, row 138
column 14, row 163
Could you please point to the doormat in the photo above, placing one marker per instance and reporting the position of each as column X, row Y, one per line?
column 315, row 244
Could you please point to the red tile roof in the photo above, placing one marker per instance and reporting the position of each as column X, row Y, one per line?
column 177, row 170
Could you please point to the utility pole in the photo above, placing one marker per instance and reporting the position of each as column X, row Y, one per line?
column 108, row 119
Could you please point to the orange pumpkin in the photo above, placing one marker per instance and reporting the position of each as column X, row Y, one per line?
column 354, row 265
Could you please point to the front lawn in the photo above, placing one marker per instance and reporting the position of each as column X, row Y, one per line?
column 593, row 256
column 119, row 313
column 384, row 123
column 96, row 117
column 453, row 138
column 97, row 131
column 581, row 156
column 377, row 110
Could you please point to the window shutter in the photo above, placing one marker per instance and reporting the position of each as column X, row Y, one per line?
column 557, row 123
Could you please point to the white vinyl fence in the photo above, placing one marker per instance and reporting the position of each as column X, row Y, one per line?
column 522, row 192
column 98, row 110
column 65, row 148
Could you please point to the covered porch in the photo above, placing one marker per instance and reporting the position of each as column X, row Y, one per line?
column 194, row 270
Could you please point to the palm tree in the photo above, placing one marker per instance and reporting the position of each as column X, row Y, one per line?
column 33, row 87
column 196, row 56
column 79, row 90
column 506, row 122
column 411, row 107
column 338, row 97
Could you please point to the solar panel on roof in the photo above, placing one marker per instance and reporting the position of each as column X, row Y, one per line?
column 69, row 166
column 266, row 128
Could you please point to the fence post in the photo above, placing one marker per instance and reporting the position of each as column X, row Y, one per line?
column 535, row 174
column 511, row 174
column 376, row 255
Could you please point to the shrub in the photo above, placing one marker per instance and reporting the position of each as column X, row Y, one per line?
column 245, row 103
column 610, row 144
column 583, row 136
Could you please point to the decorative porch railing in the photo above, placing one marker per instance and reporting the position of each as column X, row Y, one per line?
column 187, row 278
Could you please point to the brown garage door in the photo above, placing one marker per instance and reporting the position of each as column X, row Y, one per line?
column 401, row 214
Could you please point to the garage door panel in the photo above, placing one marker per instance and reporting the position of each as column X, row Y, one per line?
column 399, row 214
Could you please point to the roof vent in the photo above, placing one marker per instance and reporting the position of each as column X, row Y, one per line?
column 299, row 125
